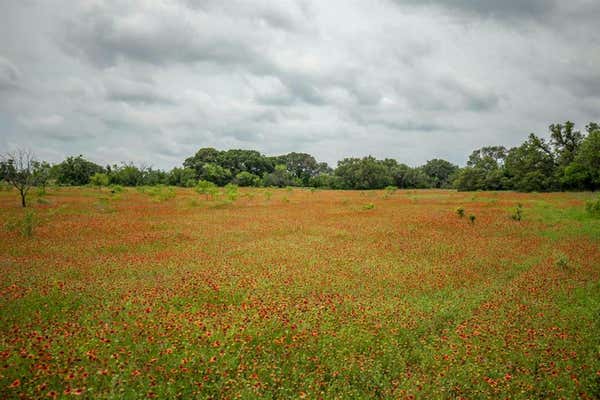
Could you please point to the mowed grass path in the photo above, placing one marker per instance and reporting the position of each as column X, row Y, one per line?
column 299, row 294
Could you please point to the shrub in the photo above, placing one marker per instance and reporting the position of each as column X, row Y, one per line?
column 562, row 261
column 518, row 214
column 472, row 219
column 231, row 191
column 593, row 208
column 246, row 178
column 368, row 206
column 460, row 212
column 190, row 183
column 116, row 189
column 99, row 179
column 207, row 188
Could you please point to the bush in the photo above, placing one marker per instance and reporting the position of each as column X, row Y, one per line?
column 369, row 206
column 472, row 219
column 593, row 208
column 460, row 212
column 246, row 178
column 518, row 214
column 99, row 179
column 231, row 191
column 207, row 188
column 116, row 189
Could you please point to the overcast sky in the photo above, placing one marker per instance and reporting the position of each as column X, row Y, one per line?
column 153, row 81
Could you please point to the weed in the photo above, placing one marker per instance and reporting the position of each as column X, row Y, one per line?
column 368, row 206
column 593, row 208
column 460, row 212
column 28, row 224
column 562, row 261
column 518, row 214
column 231, row 191
column 116, row 189
column 472, row 219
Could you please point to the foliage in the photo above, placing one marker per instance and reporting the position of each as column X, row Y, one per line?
column 99, row 179
column 232, row 192
column 517, row 215
column 369, row 206
column 440, row 172
column 216, row 174
column 593, row 208
column 460, row 211
column 246, row 179
column 207, row 188
column 363, row 173
column 181, row 177
column 326, row 181
column 280, row 177
column 75, row 171
column 570, row 160
column 530, row 167
column 472, row 219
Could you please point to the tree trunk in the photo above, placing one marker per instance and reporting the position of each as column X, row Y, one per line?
column 23, row 203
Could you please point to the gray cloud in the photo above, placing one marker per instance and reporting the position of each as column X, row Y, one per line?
column 492, row 8
column 152, row 81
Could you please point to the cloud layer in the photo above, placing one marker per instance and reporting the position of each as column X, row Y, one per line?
column 153, row 81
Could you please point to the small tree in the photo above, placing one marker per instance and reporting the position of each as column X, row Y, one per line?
column 19, row 169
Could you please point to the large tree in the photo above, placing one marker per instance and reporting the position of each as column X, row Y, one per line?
column 439, row 172
column 531, row 166
column 484, row 171
column 565, row 141
column 301, row 165
column 364, row 173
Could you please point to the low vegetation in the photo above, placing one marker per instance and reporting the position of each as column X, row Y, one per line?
column 169, row 293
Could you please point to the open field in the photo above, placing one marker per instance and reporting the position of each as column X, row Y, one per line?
column 299, row 294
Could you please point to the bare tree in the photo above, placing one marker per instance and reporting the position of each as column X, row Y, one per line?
column 19, row 169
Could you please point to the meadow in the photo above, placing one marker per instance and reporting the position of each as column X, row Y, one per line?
column 297, row 293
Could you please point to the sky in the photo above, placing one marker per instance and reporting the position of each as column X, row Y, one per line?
column 151, row 82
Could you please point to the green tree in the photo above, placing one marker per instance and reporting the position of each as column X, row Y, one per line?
column 531, row 167
column 325, row 180
column 586, row 165
column 216, row 174
column 484, row 171
column 202, row 156
column 75, row 171
column 440, row 172
column 126, row 175
column 239, row 160
column 565, row 141
column 181, row 177
column 364, row 173
column 246, row 178
column 280, row 177
column 301, row 165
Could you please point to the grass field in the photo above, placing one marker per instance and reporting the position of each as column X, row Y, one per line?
column 298, row 294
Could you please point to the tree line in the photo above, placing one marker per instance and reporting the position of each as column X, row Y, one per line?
column 570, row 160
